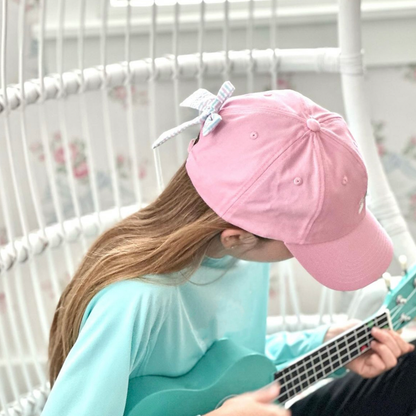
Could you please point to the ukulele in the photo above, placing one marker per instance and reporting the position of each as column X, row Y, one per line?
column 228, row 369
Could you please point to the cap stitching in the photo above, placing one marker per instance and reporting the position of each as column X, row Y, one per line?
column 256, row 176
column 330, row 116
column 327, row 133
column 321, row 196
column 262, row 110
column 335, row 239
column 311, row 222
column 267, row 109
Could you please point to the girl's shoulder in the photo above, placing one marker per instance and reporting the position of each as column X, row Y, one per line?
column 135, row 290
column 129, row 298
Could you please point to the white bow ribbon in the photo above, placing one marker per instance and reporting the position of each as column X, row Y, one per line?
column 208, row 105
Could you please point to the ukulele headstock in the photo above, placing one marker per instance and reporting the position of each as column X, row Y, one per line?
column 401, row 301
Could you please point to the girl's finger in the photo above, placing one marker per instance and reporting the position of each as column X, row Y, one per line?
column 376, row 363
column 387, row 356
column 385, row 337
column 404, row 346
column 266, row 394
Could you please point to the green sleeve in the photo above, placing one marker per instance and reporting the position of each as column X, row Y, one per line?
column 284, row 347
column 94, row 378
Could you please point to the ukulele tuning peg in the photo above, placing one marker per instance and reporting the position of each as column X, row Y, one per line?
column 400, row 300
column 405, row 318
column 387, row 280
column 403, row 263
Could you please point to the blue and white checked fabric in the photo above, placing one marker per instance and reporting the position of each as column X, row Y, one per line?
column 208, row 105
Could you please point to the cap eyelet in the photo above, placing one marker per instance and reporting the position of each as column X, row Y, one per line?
column 254, row 135
column 297, row 181
column 344, row 180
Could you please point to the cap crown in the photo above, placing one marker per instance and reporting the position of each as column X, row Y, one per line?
column 282, row 167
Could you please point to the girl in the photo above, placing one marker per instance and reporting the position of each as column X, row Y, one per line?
column 271, row 176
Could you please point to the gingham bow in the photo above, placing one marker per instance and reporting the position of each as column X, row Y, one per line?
column 208, row 105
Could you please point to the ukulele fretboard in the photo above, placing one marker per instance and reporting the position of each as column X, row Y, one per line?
column 323, row 361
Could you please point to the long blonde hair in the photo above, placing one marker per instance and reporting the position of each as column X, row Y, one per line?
column 170, row 234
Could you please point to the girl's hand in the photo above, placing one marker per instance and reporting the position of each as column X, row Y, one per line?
column 385, row 350
column 253, row 403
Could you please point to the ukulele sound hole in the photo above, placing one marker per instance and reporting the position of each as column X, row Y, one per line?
column 220, row 403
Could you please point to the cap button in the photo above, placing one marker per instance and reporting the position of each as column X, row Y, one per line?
column 313, row 124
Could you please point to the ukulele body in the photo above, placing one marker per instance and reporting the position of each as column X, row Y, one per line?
column 225, row 370
column 228, row 369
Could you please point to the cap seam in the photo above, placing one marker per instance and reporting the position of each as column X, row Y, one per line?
column 321, row 196
column 335, row 239
column 326, row 133
column 263, row 110
column 255, row 177
column 357, row 157
column 330, row 116
column 268, row 110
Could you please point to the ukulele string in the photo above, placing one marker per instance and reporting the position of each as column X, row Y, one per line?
column 367, row 336
column 325, row 370
column 338, row 354
column 410, row 312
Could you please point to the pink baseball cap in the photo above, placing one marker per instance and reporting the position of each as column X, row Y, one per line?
column 280, row 166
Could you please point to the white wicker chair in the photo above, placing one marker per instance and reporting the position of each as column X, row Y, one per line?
column 47, row 234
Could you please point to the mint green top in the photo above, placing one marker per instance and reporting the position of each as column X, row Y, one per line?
column 133, row 328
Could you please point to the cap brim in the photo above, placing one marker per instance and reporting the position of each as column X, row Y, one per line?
column 351, row 262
